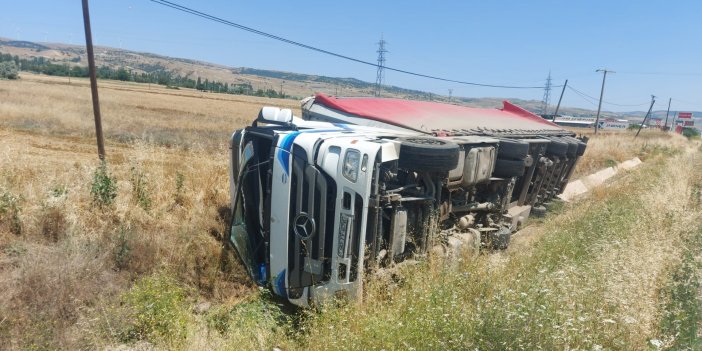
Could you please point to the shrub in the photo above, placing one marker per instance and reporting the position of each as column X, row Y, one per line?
column 8, row 70
column 690, row 132
column 104, row 186
column 10, row 212
column 156, row 310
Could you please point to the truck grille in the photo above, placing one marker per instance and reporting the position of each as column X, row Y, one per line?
column 312, row 200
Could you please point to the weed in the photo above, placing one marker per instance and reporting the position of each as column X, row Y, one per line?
column 15, row 249
column 134, row 252
column 104, row 186
column 53, row 223
column 10, row 212
column 140, row 188
column 179, row 188
column 58, row 190
column 122, row 249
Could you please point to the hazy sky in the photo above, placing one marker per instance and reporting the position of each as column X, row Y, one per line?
column 654, row 46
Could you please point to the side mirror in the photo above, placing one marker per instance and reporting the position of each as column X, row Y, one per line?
column 274, row 115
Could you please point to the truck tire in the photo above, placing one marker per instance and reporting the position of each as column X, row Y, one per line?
column 572, row 147
column 511, row 149
column 557, row 147
column 425, row 154
column 581, row 148
column 538, row 211
column 509, row 168
column 581, row 145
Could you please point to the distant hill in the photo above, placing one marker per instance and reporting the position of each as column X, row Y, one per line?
column 293, row 84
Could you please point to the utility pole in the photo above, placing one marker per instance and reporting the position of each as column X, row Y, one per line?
column 599, row 106
column 281, row 89
column 93, row 81
column 380, row 74
column 559, row 99
column 547, row 95
column 667, row 112
column 450, row 94
column 653, row 101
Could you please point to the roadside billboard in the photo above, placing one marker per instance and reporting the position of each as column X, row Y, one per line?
column 613, row 124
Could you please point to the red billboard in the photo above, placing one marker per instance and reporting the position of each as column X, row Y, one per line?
column 685, row 115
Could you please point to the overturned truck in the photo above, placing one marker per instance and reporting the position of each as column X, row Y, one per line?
column 357, row 184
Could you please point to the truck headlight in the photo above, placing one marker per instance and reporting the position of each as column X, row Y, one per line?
column 350, row 166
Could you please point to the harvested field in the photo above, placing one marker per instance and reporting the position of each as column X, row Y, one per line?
column 133, row 255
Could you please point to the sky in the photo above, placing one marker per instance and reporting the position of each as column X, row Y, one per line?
column 654, row 47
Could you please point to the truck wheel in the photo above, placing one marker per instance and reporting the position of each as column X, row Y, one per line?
column 581, row 148
column 508, row 168
column 426, row 154
column 557, row 147
column 572, row 147
column 538, row 211
column 581, row 145
column 511, row 149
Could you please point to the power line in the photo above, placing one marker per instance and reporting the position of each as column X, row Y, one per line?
column 313, row 48
column 584, row 96
column 604, row 101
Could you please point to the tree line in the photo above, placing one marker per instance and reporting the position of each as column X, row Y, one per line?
column 158, row 76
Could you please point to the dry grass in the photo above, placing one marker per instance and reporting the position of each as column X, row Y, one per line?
column 609, row 148
column 71, row 253
column 130, row 111
column 73, row 271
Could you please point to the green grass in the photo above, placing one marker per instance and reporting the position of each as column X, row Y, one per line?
column 682, row 316
column 609, row 273
column 551, row 298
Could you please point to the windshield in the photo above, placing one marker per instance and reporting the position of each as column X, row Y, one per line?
column 240, row 237
column 247, row 220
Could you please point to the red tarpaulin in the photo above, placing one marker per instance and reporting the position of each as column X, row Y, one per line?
column 432, row 116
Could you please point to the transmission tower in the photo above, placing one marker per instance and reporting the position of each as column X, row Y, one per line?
column 547, row 95
column 381, row 65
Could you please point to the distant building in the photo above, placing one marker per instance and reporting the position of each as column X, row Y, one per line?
column 578, row 122
column 589, row 122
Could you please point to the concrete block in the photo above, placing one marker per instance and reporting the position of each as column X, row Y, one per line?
column 597, row 178
column 573, row 190
column 629, row 164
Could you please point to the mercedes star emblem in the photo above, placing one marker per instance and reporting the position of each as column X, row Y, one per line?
column 303, row 226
